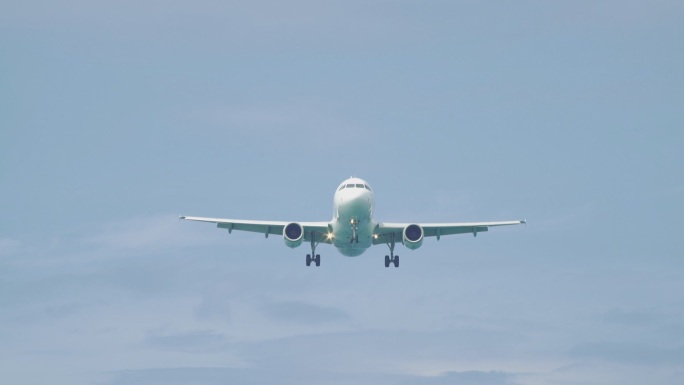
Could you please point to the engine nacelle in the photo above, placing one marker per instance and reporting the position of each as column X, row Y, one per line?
column 293, row 234
column 413, row 236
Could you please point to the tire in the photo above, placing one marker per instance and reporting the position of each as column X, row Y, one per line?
column 318, row 259
column 387, row 261
column 308, row 259
column 396, row 261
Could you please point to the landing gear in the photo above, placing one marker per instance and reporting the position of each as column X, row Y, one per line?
column 313, row 257
column 391, row 259
column 354, row 227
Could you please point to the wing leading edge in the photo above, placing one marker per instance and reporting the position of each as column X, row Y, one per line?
column 312, row 230
column 384, row 231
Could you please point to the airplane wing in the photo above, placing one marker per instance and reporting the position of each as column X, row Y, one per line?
column 384, row 231
column 315, row 229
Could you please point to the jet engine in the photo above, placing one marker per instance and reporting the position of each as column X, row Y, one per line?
column 293, row 234
column 413, row 236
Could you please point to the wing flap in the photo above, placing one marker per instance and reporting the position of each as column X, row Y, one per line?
column 271, row 228
column 436, row 231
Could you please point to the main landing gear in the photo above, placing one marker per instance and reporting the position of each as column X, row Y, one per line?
column 313, row 257
column 394, row 259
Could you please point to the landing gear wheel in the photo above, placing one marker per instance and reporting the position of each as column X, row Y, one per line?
column 308, row 259
column 396, row 261
column 387, row 260
column 318, row 259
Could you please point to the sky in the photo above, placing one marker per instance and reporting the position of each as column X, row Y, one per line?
column 116, row 117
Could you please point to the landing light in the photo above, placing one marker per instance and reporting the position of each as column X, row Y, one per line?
column 375, row 236
column 330, row 235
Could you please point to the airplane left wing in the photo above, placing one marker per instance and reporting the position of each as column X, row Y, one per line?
column 315, row 230
column 385, row 231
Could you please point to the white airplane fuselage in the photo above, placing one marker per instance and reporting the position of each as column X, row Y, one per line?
column 352, row 223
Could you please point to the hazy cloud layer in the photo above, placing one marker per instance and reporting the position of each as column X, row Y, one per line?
column 303, row 312
column 629, row 353
column 208, row 376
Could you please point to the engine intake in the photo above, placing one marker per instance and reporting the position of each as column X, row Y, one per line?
column 293, row 234
column 413, row 236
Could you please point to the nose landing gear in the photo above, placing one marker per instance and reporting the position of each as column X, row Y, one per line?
column 354, row 227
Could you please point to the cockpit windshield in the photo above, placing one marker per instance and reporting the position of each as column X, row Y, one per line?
column 354, row 185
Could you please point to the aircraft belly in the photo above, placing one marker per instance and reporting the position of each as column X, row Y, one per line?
column 343, row 239
column 351, row 252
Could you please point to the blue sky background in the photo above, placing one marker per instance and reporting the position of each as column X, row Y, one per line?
column 115, row 117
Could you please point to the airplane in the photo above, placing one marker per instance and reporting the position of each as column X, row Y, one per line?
column 352, row 229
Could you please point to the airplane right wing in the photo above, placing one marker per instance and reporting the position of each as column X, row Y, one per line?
column 384, row 232
column 315, row 230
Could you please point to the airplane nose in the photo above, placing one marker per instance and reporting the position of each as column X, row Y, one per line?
column 356, row 194
column 358, row 200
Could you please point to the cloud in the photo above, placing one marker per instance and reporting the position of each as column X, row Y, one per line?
column 633, row 317
column 177, row 376
column 378, row 351
column 78, row 270
column 9, row 246
column 465, row 378
column 214, row 306
column 298, row 311
column 405, row 353
column 247, row 376
column 146, row 234
column 629, row 353
column 205, row 341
